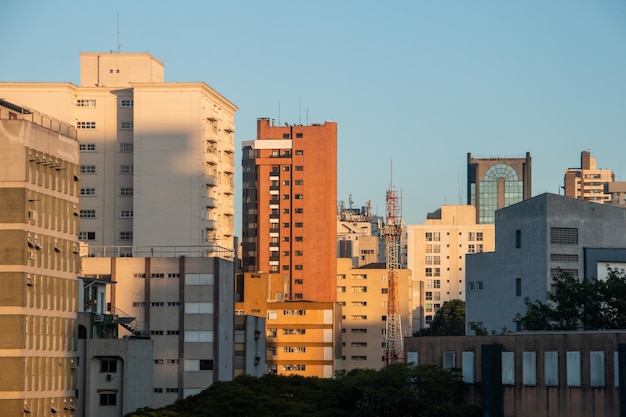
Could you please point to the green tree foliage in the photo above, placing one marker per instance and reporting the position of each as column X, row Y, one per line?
column 579, row 305
column 397, row 391
column 449, row 320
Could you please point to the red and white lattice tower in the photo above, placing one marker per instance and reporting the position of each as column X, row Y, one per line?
column 393, row 240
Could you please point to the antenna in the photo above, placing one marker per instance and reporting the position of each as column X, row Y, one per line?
column 119, row 45
column 300, row 111
column 307, row 117
column 279, row 112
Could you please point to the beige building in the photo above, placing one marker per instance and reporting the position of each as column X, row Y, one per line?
column 302, row 337
column 588, row 181
column 363, row 295
column 151, row 153
column 38, row 263
column 616, row 192
column 186, row 306
column 437, row 251
column 359, row 235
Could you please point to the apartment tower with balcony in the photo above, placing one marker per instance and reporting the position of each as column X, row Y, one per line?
column 151, row 153
column 588, row 182
column 289, row 207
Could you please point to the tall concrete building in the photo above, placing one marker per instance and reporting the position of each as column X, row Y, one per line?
column 494, row 183
column 535, row 240
column 588, row 182
column 151, row 153
column 186, row 306
column 362, row 293
column 38, row 263
column 289, row 206
column 437, row 253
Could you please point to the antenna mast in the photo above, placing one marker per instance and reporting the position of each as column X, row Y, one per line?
column 119, row 45
column 393, row 238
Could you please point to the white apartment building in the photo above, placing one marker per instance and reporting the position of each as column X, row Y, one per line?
column 436, row 256
column 156, row 158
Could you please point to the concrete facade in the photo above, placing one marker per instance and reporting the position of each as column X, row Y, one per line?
column 437, row 254
column 534, row 240
column 301, row 337
column 359, row 236
column 534, row 374
column 588, row 181
column 289, row 206
column 494, row 183
column 616, row 192
column 186, row 306
column 151, row 153
column 363, row 295
column 38, row 263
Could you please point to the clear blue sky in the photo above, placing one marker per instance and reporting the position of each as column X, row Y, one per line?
column 416, row 84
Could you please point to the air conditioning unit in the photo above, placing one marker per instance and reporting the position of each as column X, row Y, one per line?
column 98, row 317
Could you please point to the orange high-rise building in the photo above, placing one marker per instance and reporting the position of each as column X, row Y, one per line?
column 289, row 206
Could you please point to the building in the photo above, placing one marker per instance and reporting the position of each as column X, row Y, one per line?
column 186, row 306
column 573, row 374
column 535, row 240
column 588, row 181
column 38, row 263
column 359, row 235
column 151, row 152
column 616, row 192
column 437, row 251
column 362, row 293
column 114, row 373
column 301, row 337
column 494, row 183
column 289, row 207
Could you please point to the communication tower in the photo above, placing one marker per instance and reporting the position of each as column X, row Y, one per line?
column 392, row 231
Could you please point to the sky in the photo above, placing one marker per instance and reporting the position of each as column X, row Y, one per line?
column 413, row 85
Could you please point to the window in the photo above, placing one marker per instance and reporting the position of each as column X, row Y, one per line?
column 87, row 236
column 127, row 169
column 449, row 359
column 518, row 239
column 518, row 287
column 437, row 283
column 87, row 191
column 298, row 267
column 286, row 196
column 573, row 369
column 596, row 368
column 479, row 236
column 529, row 368
column 108, row 398
column 126, row 191
column 436, row 272
column 299, row 168
column 299, row 238
column 85, row 103
column 467, row 364
column 428, row 260
column 108, row 366
column 206, row 364
column 286, row 168
column 384, row 290
column 479, row 285
column 299, row 152
column 126, row 147
column 298, row 135
column 126, row 214
column 429, row 295
column 87, row 147
column 299, row 224
column 126, row 103
column 85, row 125
column 88, row 214
column 299, row 182
column 298, row 252
column 471, row 248
column 429, row 272
column 508, row 368
column 172, row 304
column 551, row 368
column 126, row 125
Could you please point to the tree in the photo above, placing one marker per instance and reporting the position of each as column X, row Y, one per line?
column 579, row 305
column 449, row 320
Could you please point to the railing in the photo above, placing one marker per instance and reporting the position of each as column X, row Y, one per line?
column 156, row 251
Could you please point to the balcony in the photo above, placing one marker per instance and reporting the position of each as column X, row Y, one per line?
column 211, row 224
column 210, row 202
column 210, row 180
